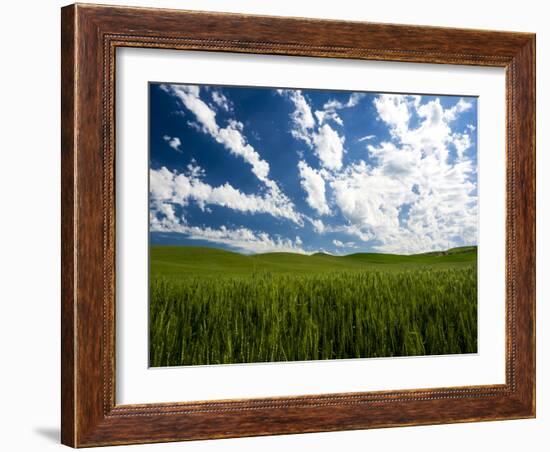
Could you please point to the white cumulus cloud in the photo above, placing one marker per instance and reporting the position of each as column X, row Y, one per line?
column 231, row 137
column 353, row 100
column 173, row 142
column 329, row 147
column 302, row 117
column 414, row 192
column 169, row 187
column 318, row 225
column 340, row 244
column 393, row 109
column 241, row 239
column 326, row 143
column 411, row 196
column 221, row 101
column 314, row 185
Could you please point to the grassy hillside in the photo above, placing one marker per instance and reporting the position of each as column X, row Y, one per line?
column 210, row 306
column 179, row 261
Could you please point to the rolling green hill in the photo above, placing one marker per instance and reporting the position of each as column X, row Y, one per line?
column 182, row 261
column 211, row 306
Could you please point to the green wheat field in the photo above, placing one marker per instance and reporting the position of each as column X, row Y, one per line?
column 211, row 306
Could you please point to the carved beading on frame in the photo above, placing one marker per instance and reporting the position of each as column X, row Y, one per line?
column 90, row 36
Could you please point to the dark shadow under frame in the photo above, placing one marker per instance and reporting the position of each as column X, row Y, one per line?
column 90, row 36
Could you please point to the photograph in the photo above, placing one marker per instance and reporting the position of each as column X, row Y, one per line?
column 294, row 224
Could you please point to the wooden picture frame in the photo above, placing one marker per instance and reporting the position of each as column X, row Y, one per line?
column 90, row 36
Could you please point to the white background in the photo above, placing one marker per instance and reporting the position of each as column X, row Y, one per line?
column 29, row 229
column 138, row 384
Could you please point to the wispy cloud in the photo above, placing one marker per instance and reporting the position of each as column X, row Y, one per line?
column 314, row 185
column 366, row 138
column 241, row 239
column 302, row 117
column 327, row 143
column 173, row 142
column 353, row 100
column 169, row 187
column 231, row 137
column 221, row 101
column 341, row 244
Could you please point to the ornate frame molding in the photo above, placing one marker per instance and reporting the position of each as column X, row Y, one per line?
column 90, row 36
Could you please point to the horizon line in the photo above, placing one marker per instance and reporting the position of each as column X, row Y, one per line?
column 309, row 254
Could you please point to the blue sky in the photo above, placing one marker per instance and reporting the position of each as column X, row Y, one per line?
column 257, row 170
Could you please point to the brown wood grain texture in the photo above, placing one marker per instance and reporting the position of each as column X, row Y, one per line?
column 90, row 35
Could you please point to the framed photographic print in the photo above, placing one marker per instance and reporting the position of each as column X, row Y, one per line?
column 280, row 225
